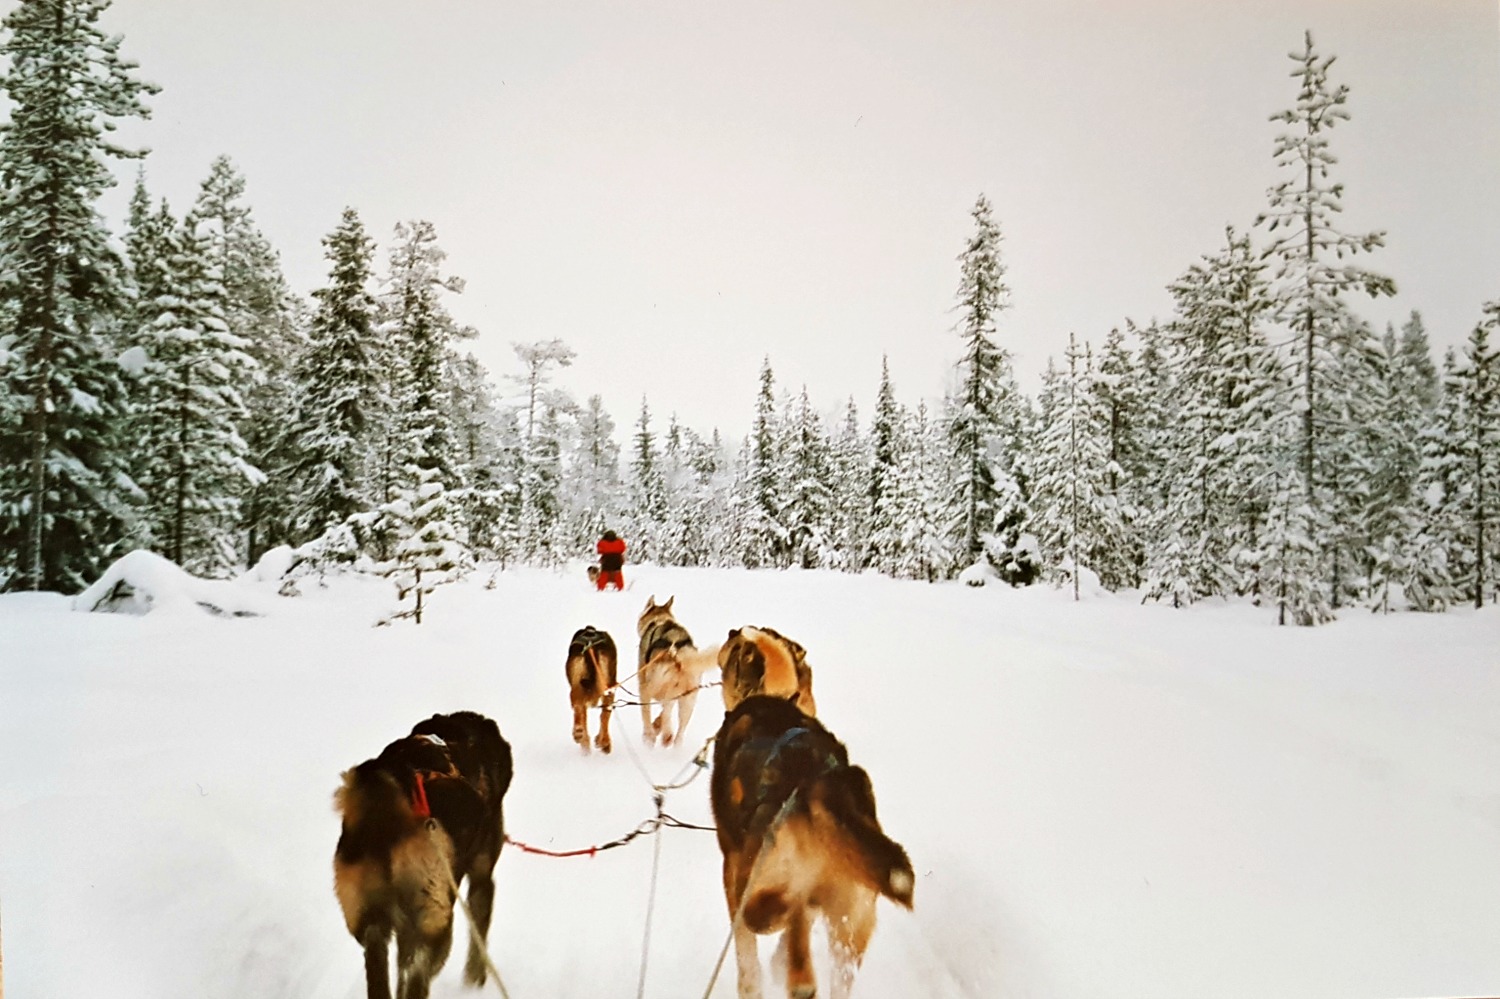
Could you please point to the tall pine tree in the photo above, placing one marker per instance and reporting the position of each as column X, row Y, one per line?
column 337, row 379
column 64, row 487
column 1312, row 278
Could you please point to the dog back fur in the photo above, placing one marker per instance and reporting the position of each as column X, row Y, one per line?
column 591, row 666
column 764, row 661
column 395, row 868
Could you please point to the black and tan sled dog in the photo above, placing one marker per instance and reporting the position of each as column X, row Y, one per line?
column 592, row 661
column 670, row 668
column 418, row 819
column 761, row 661
column 799, row 834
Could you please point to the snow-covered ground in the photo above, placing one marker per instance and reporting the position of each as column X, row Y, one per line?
column 1100, row 799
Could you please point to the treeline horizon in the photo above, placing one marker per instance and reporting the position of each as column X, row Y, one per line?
column 164, row 389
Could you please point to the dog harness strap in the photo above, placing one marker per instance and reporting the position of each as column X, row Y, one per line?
column 419, row 798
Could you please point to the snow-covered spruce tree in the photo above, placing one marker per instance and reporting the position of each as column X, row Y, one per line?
column 884, row 449
column 1117, row 386
column 1406, row 564
column 422, row 464
column 415, row 348
column 1478, row 473
column 337, row 383
column 492, row 501
column 763, row 534
column 1438, row 491
column 429, row 552
column 152, row 242
column 1351, row 444
column 849, row 461
column 197, row 465
column 1216, row 466
column 704, row 499
column 925, row 509
column 594, row 500
column 670, row 536
column 1155, row 425
column 259, row 309
column 540, row 504
column 648, row 489
column 545, row 533
column 1077, row 518
column 478, row 429
column 1416, row 355
column 1289, row 558
column 64, row 487
column 1312, row 277
column 986, row 417
column 806, row 510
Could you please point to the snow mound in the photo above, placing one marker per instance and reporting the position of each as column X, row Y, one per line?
column 979, row 574
column 140, row 582
column 1088, row 580
column 273, row 565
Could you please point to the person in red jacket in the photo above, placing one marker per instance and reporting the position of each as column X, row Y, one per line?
column 611, row 560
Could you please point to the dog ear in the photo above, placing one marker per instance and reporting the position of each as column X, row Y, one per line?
column 733, row 634
column 668, row 604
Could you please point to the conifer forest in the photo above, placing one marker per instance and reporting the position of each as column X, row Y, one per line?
column 162, row 387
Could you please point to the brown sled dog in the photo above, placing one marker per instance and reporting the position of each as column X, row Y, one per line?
column 762, row 661
column 591, row 680
column 418, row 819
column 798, row 830
column 671, row 667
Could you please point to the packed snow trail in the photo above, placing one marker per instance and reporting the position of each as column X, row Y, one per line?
column 1099, row 799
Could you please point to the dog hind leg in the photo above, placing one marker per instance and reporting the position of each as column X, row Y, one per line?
column 603, row 741
column 481, row 904
column 377, row 962
column 747, row 960
column 851, row 923
column 581, row 725
column 429, row 953
column 648, row 732
column 685, row 705
column 800, row 983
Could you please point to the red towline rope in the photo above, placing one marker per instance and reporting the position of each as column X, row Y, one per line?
column 649, row 826
column 528, row 848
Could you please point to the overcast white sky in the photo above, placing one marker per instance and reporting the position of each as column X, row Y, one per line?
column 677, row 188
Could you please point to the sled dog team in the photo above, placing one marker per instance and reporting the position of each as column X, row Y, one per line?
column 796, row 822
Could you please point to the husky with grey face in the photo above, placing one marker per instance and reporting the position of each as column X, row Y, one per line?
column 671, row 667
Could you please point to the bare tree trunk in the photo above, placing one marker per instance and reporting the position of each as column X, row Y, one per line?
column 180, row 513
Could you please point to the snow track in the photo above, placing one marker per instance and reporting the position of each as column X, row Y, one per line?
column 1099, row 799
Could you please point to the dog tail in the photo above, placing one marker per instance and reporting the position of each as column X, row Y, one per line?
column 375, row 811
column 584, row 669
column 844, row 799
column 698, row 661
